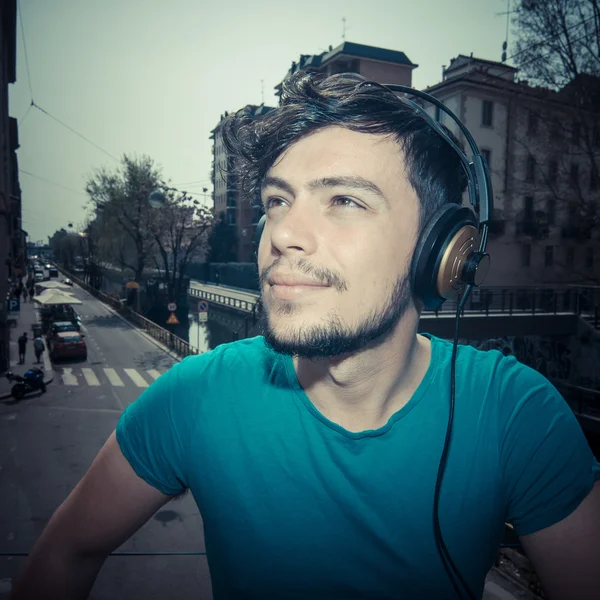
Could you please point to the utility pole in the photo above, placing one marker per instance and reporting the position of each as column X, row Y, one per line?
column 262, row 92
column 343, row 29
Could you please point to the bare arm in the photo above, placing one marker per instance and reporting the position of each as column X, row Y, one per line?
column 566, row 555
column 105, row 509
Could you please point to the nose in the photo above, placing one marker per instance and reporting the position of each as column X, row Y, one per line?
column 291, row 232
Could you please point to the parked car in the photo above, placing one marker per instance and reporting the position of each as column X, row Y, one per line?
column 67, row 344
column 67, row 282
column 53, row 271
column 59, row 326
column 38, row 276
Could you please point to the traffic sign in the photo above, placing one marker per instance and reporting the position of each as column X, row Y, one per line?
column 172, row 306
column 202, row 317
column 14, row 305
column 172, row 320
column 202, row 306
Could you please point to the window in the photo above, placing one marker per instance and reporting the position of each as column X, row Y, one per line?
column 589, row 257
column 555, row 130
column 552, row 172
column 487, row 113
column 551, row 210
column 576, row 132
column 530, row 169
column 487, row 156
column 525, row 255
column 439, row 114
column 574, row 178
column 532, row 124
column 528, row 208
column 549, row 256
column 570, row 256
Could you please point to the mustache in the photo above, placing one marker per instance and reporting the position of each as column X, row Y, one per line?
column 319, row 274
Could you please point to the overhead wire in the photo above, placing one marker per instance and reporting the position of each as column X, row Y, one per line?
column 25, row 49
column 52, row 182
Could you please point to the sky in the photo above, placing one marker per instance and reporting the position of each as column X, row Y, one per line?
column 153, row 77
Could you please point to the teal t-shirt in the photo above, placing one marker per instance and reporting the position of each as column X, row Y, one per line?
column 295, row 506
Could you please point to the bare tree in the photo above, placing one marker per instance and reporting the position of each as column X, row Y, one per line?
column 124, row 216
column 558, row 50
column 181, row 232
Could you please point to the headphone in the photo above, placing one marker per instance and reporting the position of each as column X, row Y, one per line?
column 449, row 259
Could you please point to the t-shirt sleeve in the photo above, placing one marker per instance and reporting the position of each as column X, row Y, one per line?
column 547, row 466
column 153, row 433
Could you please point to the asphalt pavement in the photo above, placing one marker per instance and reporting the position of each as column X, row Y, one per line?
column 47, row 443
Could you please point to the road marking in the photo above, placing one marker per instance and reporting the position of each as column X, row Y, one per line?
column 136, row 378
column 153, row 373
column 68, row 377
column 90, row 377
column 114, row 378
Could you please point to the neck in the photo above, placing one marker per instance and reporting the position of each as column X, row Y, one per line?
column 363, row 390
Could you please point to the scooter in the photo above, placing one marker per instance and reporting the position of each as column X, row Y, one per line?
column 31, row 381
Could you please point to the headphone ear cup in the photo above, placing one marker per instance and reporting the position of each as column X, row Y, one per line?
column 444, row 247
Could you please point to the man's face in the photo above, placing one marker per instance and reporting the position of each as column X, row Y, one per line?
column 342, row 221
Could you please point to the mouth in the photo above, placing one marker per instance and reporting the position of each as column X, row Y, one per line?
column 290, row 290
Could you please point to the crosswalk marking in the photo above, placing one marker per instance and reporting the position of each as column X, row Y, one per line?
column 114, row 379
column 136, row 378
column 90, row 377
column 69, row 378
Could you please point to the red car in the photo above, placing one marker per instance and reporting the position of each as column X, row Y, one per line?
column 67, row 344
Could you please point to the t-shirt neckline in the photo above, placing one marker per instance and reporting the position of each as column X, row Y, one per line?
column 418, row 395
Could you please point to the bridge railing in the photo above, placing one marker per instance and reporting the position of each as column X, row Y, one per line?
column 492, row 300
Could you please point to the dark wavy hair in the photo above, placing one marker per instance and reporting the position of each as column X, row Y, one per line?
column 312, row 101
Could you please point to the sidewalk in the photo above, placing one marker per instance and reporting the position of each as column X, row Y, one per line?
column 25, row 319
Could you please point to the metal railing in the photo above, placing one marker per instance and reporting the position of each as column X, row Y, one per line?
column 582, row 301
column 584, row 402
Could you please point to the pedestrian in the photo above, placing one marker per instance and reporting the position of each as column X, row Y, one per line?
column 22, row 341
column 38, row 347
column 24, row 294
column 317, row 451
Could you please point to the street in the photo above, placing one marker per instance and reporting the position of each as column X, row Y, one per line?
column 48, row 442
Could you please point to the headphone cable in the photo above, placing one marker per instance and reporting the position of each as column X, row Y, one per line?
column 441, row 546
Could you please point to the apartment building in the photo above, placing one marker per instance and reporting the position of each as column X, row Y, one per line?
column 10, row 197
column 379, row 64
column 239, row 214
column 543, row 150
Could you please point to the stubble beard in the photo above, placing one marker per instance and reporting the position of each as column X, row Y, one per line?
column 333, row 337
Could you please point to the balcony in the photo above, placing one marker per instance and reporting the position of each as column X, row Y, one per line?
column 497, row 227
column 535, row 228
column 576, row 231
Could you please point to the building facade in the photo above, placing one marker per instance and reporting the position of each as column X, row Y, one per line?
column 10, row 196
column 543, row 150
column 240, row 215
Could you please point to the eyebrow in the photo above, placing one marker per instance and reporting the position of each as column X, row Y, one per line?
column 348, row 181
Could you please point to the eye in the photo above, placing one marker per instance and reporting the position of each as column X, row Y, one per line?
column 273, row 202
column 346, row 202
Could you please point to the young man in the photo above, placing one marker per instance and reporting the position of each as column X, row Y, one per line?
column 22, row 342
column 313, row 451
